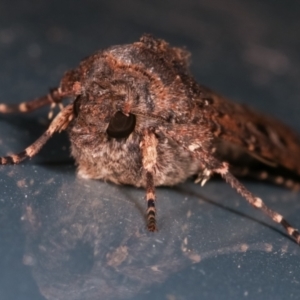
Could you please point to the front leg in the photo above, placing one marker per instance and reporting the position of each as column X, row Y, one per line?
column 60, row 122
column 55, row 96
column 148, row 147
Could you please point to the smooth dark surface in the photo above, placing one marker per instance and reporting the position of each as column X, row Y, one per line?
column 66, row 238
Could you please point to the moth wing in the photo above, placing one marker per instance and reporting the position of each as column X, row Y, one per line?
column 240, row 129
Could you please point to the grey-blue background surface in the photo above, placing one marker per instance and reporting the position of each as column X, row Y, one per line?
column 65, row 238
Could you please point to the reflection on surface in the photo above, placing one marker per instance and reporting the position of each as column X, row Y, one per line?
column 87, row 239
column 90, row 242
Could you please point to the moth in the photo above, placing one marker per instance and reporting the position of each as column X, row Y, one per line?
column 138, row 117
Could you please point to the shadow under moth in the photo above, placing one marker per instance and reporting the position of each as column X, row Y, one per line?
column 138, row 117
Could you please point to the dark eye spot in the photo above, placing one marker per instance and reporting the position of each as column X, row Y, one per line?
column 76, row 106
column 120, row 126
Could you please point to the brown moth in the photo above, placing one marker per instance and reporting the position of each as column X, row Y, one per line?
column 139, row 118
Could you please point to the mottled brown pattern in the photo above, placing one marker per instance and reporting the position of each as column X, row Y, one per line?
column 140, row 118
column 261, row 136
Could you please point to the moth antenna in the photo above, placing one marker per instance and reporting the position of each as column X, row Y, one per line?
column 54, row 96
column 60, row 122
column 259, row 204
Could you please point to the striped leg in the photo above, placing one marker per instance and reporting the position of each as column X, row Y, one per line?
column 150, row 197
column 212, row 165
column 149, row 156
column 259, row 204
column 60, row 123
column 54, row 96
column 222, row 169
column 267, row 175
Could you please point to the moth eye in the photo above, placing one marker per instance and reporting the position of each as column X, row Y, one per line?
column 120, row 126
column 76, row 106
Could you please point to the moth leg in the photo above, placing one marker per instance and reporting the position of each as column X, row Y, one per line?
column 257, row 202
column 286, row 181
column 215, row 166
column 203, row 177
column 60, row 122
column 54, row 96
column 150, row 197
column 149, row 157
